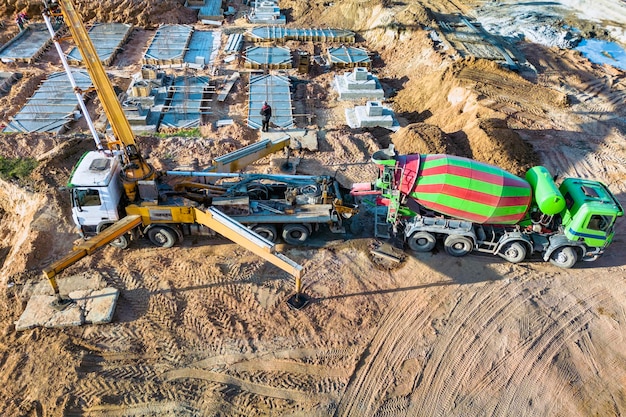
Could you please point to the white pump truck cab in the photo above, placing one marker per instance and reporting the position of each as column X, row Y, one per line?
column 97, row 192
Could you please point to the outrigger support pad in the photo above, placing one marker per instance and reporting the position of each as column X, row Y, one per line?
column 298, row 301
column 62, row 303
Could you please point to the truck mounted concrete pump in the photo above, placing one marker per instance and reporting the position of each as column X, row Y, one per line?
column 473, row 206
column 117, row 196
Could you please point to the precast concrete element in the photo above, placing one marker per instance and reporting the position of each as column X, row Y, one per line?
column 203, row 48
column 169, row 45
column 207, row 9
column 266, row 12
column 52, row 107
column 281, row 33
column 358, row 84
column 108, row 39
column 349, row 57
column 234, row 43
column 373, row 114
column 273, row 57
column 7, row 79
column 27, row 45
column 187, row 102
column 274, row 89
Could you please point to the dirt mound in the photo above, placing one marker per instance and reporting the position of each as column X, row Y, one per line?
column 142, row 13
column 493, row 142
column 425, row 138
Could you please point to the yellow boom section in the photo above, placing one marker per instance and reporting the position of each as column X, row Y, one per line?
column 106, row 93
column 89, row 246
column 222, row 224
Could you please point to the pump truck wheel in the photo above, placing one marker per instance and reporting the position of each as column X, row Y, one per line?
column 162, row 236
column 458, row 246
column 295, row 234
column 121, row 242
column 422, row 242
column 268, row 231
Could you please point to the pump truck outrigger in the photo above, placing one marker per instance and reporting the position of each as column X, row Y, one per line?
column 472, row 206
column 117, row 195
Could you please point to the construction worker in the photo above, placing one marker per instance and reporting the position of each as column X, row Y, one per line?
column 266, row 113
column 21, row 19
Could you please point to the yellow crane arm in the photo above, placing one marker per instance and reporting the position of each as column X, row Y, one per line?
column 89, row 246
column 112, row 107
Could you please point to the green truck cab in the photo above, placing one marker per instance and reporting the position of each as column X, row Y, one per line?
column 590, row 213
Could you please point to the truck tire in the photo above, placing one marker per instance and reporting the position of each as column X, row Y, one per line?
column 295, row 234
column 456, row 245
column 422, row 242
column 514, row 252
column 564, row 257
column 268, row 231
column 121, row 242
column 162, row 237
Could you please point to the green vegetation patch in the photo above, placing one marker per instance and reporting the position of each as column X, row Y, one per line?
column 181, row 133
column 20, row 168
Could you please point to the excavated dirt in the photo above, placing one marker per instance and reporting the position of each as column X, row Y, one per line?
column 202, row 329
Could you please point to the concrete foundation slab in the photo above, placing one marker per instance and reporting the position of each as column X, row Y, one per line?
column 52, row 107
column 349, row 57
column 168, row 45
column 94, row 303
column 26, row 46
column 280, row 33
column 276, row 90
column 107, row 38
column 203, row 48
column 275, row 57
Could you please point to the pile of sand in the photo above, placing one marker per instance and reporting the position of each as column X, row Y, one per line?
column 424, row 138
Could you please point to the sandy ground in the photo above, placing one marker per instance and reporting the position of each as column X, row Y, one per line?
column 203, row 329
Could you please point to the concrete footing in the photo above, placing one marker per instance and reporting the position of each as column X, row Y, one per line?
column 374, row 114
column 358, row 84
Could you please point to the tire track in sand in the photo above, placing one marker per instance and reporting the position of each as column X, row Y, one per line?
column 389, row 348
column 461, row 347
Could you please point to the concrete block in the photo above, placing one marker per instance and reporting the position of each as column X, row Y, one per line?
column 374, row 109
column 351, row 89
column 358, row 117
column 360, row 74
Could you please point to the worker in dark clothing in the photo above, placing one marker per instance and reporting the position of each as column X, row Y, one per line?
column 266, row 113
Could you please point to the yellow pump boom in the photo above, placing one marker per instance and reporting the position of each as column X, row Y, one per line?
column 135, row 167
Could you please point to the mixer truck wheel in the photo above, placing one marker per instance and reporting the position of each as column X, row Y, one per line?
column 422, row 242
column 564, row 257
column 162, row 237
column 458, row 245
column 513, row 252
column 295, row 234
column 267, row 231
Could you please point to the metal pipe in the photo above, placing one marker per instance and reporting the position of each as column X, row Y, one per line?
column 277, row 177
column 70, row 76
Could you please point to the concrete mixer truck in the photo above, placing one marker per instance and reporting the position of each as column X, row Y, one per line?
column 473, row 206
